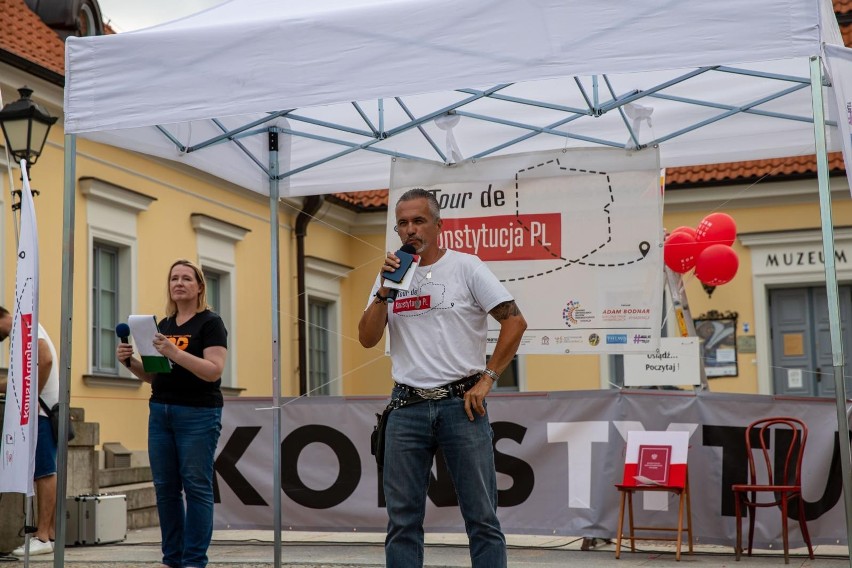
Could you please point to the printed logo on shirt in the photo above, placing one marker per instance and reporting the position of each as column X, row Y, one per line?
column 412, row 303
column 180, row 341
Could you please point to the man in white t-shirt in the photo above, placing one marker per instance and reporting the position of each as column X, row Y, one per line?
column 45, row 460
column 438, row 330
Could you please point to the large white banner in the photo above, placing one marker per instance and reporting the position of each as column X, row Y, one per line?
column 574, row 235
column 20, row 421
column 557, row 457
column 839, row 60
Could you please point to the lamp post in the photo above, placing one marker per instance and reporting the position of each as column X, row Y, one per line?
column 25, row 126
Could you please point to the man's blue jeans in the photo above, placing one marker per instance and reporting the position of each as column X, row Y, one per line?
column 413, row 435
column 181, row 445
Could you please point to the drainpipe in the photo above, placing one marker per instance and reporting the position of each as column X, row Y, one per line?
column 310, row 206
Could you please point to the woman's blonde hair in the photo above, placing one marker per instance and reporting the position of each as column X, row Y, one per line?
column 201, row 302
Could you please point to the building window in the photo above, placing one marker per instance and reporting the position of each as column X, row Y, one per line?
column 217, row 255
column 105, row 308
column 318, row 348
column 218, row 293
column 214, row 291
column 509, row 380
column 323, row 286
column 112, row 213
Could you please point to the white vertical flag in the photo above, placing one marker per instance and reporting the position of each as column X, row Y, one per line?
column 20, row 423
column 839, row 60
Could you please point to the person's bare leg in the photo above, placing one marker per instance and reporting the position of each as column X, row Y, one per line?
column 46, row 494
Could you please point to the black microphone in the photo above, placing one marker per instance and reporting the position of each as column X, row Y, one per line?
column 405, row 264
column 122, row 330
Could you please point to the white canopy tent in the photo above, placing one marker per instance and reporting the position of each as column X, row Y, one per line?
column 321, row 94
column 361, row 78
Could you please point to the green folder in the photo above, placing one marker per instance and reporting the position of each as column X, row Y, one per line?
column 158, row 364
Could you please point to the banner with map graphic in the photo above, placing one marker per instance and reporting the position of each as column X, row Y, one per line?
column 575, row 235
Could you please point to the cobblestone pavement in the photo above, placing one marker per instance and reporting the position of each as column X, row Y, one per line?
column 255, row 549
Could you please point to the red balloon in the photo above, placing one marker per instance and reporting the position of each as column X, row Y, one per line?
column 680, row 251
column 689, row 230
column 717, row 265
column 716, row 229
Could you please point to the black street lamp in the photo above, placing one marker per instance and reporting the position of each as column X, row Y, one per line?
column 25, row 126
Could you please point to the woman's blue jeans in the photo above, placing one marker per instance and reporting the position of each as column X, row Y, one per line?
column 413, row 435
column 181, row 445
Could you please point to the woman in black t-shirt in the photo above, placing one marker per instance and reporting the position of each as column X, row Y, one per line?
column 185, row 415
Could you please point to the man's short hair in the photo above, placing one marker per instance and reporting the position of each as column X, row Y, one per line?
column 429, row 196
column 3, row 312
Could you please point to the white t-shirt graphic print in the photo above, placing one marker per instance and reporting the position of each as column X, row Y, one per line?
column 438, row 327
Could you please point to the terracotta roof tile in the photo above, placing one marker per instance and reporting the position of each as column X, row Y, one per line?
column 738, row 172
column 372, row 200
column 25, row 35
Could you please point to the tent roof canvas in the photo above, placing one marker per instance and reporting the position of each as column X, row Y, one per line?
column 353, row 82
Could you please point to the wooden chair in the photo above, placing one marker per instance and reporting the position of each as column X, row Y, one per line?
column 783, row 484
column 627, row 491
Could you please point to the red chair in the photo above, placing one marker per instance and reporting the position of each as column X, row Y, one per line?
column 784, row 484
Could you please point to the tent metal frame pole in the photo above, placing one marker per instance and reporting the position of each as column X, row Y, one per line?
column 334, row 125
column 598, row 105
column 534, row 102
column 276, row 341
column 69, row 202
column 721, row 106
column 727, row 114
column 832, row 296
column 420, row 128
column 365, row 118
column 242, row 147
column 549, row 129
column 225, row 137
column 597, row 101
column 621, row 112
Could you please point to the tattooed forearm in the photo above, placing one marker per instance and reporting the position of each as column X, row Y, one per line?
column 505, row 310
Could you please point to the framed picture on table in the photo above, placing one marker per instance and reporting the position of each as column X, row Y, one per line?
column 718, row 337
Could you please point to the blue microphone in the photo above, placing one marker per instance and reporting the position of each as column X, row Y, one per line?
column 122, row 330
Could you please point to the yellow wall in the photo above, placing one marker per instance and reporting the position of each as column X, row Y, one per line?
column 164, row 233
column 373, row 374
column 562, row 372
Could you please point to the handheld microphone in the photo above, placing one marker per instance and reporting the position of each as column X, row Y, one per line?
column 405, row 254
column 122, row 330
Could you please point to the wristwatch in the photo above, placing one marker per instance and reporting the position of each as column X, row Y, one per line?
column 380, row 299
column 492, row 374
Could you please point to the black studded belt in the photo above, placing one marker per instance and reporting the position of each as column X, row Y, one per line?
column 455, row 389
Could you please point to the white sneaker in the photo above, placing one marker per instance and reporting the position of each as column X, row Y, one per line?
column 37, row 546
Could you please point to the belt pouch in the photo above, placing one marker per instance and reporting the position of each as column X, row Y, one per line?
column 377, row 438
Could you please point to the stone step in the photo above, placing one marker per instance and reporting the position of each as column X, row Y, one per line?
column 86, row 434
column 139, row 495
column 142, row 518
column 123, row 475
column 77, row 414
